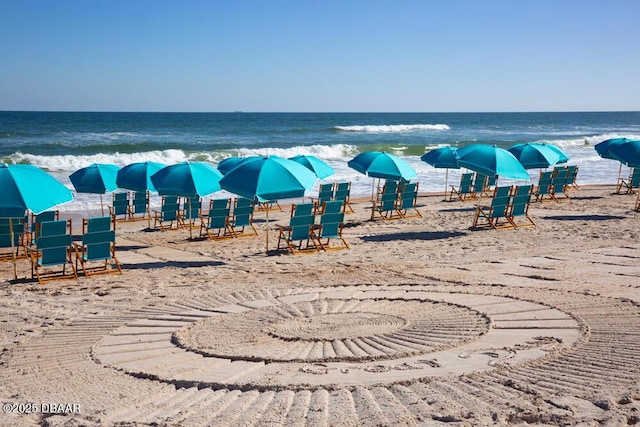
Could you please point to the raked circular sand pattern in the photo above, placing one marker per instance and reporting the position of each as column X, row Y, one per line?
column 324, row 329
column 520, row 361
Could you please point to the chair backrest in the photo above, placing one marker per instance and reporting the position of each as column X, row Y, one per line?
column 521, row 199
column 191, row 206
column 501, row 199
column 325, row 193
column 301, row 226
column 544, row 182
column 219, row 210
column 99, row 223
column 480, row 183
column 635, row 178
column 6, row 225
column 343, row 191
column 330, row 224
column 46, row 216
column 98, row 245
column 559, row 179
column 120, row 203
column 334, row 206
column 302, row 209
column 53, row 242
column 409, row 195
column 243, row 212
column 170, row 208
column 140, row 202
column 466, row 181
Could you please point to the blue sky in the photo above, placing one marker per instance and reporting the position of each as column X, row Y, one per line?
column 321, row 55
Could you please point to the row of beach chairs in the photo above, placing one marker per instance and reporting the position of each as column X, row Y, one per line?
column 49, row 243
column 473, row 186
column 509, row 208
column 396, row 200
column 554, row 185
column 310, row 231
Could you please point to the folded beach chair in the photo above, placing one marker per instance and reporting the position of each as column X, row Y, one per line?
column 343, row 194
column 518, row 210
column 559, row 184
column 52, row 247
column 330, row 227
column 628, row 185
column 544, row 186
column 386, row 203
column 96, row 253
column 216, row 225
column 120, row 206
column 16, row 248
column 325, row 194
column 169, row 215
column 139, row 208
column 297, row 236
column 464, row 189
column 407, row 203
column 495, row 212
column 242, row 218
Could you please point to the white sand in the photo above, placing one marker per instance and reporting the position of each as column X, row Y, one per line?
column 423, row 321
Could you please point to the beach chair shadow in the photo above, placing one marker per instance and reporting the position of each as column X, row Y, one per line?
column 495, row 212
column 52, row 247
column 98, row 246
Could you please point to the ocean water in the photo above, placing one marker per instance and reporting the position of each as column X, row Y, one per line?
column 62, row 142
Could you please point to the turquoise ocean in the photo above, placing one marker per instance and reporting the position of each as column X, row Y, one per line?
column 62, row 142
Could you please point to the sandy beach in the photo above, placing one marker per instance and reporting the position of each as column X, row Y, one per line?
column 423, row 321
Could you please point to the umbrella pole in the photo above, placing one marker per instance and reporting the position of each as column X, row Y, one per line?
column 148, row 209
column 13, row 248
column 101, row 205
column 267, row 233
column 190, row 223
column 446, row 183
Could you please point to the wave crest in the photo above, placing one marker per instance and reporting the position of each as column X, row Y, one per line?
column 391, row 128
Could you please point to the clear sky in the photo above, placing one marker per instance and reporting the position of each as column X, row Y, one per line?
column 320, row 55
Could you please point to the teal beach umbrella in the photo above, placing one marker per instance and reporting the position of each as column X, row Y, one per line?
column 627, row 153
column 187, row 179
column 378, row 164
column 28, row 188
column 137, row 176
column 537, row 155
column 97, row 178
column 268, row 178
column 604, row 148
column 442, row 158
column 491, row 160
column 315, row 165
column 225, row 165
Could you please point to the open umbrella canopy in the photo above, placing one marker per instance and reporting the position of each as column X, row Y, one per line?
column 27, row 187
column 378, row 164
column 97, row 178
column 442, row 157
column 225, row 165
column 137, row 176
column 627, row 153
column 537, row 155
column 491, row 160
column 268, row 178
column 188, row 179
column 604, row 148
column 315, row 165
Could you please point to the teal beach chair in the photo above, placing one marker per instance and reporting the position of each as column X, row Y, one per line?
column 52, row 247
column 17, row 247
column 408, row 200
column 518, row 210
column 242, row 218
column 464, row 189
column 216, row 224
column 343, row 194
column 168, row 218
column 325, row 194
column 628, row 185
column 496, row 211
column 120, row 206
column 330, row 227
column 297, row 237
column 96, row 252
column 386, row 203
column 139, row 208
column 543, row 189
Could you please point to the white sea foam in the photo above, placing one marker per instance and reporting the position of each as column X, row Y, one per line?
column 391, row 128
